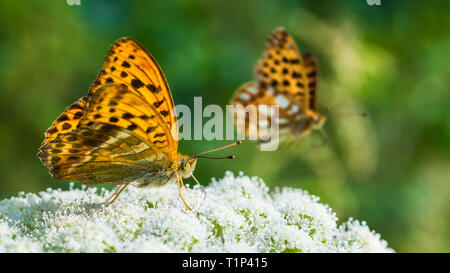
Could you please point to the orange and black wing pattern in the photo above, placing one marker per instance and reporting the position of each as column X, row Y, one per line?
column 122, row 129
column 281, row 79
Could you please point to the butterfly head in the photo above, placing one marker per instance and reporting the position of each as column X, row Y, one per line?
column 317, row 120
column 186, row 165
column 312, row 121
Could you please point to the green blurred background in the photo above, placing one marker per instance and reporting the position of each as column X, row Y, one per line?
column 391, row 169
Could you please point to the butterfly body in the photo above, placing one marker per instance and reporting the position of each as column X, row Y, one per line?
column 160, row 177
column 287, row 79
column 184, row 167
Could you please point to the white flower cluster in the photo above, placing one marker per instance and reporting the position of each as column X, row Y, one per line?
column 235, row 214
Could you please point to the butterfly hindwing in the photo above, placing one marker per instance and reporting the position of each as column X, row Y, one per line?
column 112, row 142
column 312, row 79
column 85, row 165
column 252, row 96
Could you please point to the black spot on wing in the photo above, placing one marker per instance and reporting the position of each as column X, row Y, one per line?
column 158, row 103
column 132, row 127
column 153, row 88
column 151, row 129
column 53, row 130
column 136, row 83
column 62, row 118
column 311, row 74
column 78, row 115
column 127, row 116
column 66, row 126
column 55, row 159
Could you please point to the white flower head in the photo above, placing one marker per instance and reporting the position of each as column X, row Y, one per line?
column 238, row 214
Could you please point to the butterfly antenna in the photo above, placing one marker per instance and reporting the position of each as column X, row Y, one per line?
column 362, row 114
column 209, row 157
column 179, row 190
column 199, row 155
column 221, row 148
column 182, row 184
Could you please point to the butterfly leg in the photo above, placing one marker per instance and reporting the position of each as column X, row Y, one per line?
column 112, row 195
column 179, row 191
column 201, row 187
column 324, row 138
column 182, row 184
column 116, row 194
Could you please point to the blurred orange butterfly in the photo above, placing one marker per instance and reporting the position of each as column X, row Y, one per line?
column 288, row 79
column 123, row 131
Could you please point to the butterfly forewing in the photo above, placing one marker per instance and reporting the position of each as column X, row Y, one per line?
column 280, row 80
column 281, row 67
column 129, row 63
column 285, row 78
column 117, row 105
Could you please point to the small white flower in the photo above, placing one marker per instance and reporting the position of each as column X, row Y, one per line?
column 238, row 214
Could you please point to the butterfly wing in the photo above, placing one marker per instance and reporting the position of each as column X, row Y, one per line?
column 119, row 139
column 312, row 80
column 127, row 62
column 282, row 67
column 280, row 80
column 255, row 123
column 122, row 129
column 130, row 64
column 67, row 121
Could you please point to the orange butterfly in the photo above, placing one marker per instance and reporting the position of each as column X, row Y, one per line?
column 288, row 79
column 123, row 131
